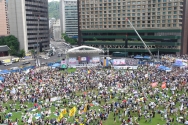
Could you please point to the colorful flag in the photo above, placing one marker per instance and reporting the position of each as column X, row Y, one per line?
column 163, row 86
column 60, row 117
column 154, row 84
column 72, row 112
column 64, row 111
column 104, row 62
column 85, row 108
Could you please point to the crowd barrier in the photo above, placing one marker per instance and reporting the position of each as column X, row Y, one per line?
column 83, row 65
column 125, row 67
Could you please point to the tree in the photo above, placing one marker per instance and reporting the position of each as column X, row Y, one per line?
column 12, row 42
column 12, row 51
column 53, row 9
column 22, row 53
column 94, row 38
column 32, row 52
column 69, row 40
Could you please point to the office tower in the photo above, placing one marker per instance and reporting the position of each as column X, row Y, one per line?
column 4, row 27
column 184, row 45
column 69, row 17
column 159, row 23
column 28, row 21
column 56, row 30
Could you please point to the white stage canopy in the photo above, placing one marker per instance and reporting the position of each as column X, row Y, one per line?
column 84, row 49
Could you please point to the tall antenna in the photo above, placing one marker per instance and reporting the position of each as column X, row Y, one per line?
column 140, row 37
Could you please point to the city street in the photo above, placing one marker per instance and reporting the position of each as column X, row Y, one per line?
column 54, row 58
column 60, row 47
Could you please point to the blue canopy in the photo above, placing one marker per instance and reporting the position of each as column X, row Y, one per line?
column 161, row 67
column 58, row 62
column 5, row 71
column 56, row 65
column 167, row 68
column 147, row 57
column 138, row 57
column 177, row 64
column 1, row 78
column 50, row 64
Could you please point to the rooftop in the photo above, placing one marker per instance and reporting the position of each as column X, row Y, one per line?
column 4, row 48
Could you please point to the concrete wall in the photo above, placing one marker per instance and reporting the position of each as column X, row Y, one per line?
column 184, row 45
column 17, row 22
column 3, row 20
column 62, row 15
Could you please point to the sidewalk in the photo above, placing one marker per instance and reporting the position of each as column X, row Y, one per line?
column 6, row 57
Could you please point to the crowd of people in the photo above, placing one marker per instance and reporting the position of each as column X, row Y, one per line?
column 101, row 96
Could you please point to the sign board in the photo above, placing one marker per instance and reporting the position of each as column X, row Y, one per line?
column 125, row 67
column 63, row 64
column 72, row 61
column 83, row 59
column 117, row 62
column 95, row 59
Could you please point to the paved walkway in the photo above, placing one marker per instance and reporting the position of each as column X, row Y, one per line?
column 6, row 57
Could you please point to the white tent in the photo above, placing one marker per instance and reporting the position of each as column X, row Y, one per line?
column 84, row 49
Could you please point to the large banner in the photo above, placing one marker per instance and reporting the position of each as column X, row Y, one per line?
column 125, row 62
column 118, row 62
column 179, row 61
column 63, row 62
column 95, row 59
column 83, row 59
column 131, row 62
column 72, row 61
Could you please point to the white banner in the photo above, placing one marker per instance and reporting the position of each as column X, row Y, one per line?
column 63, row 62
column 125, row 67
column 117, row 62
column 95, row 59
column 83, row 59
column 73, row 61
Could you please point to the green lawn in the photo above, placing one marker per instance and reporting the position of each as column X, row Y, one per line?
column 69, row 70
column 109, row 121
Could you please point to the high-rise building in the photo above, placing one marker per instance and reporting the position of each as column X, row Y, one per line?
column 69, row 17
column 28, row 21
column 159, row 23
column 184, row 43
column 4, row 27
column 51, row 22
column 57, row 30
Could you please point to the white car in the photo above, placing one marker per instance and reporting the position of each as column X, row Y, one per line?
column 14, row 68
column 46, row 57
column 7, row 64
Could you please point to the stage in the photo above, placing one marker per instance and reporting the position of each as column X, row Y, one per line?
column 83, row 56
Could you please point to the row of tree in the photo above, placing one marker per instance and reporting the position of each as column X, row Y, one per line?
column 69, row 40
column 13, row 43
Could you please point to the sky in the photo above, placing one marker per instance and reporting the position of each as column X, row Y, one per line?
column 52, row 0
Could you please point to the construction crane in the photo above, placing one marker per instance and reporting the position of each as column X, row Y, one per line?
column 140, row 38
